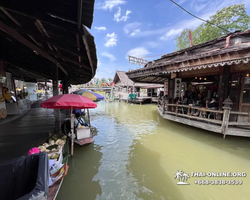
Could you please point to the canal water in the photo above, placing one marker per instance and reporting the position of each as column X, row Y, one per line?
column 136, row 155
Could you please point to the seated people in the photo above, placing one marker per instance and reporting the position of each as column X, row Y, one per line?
column 212, row 104
column 79, row 121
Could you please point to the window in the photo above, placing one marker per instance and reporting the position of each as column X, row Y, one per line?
column 246, row 90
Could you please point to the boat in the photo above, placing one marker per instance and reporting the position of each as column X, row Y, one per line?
column 84, row 136
column 54, row 189
column 26, row 177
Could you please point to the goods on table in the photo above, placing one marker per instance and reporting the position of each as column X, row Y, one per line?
column 53, row 145
column 54, row 148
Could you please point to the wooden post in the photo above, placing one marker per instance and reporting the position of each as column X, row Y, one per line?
column 188, row 110
column 111, row 93
column 176, row 109
column 46, row 91
column 66, row 85
column 72, row 132
column 56, row 92
column 163, row 108
column 89, row 118
column 226, row 116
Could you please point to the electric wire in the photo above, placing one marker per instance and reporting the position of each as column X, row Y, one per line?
column 200, row 18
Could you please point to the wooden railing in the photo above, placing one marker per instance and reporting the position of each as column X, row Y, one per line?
column 219, row 117
column 187, row 111
column 245, row 123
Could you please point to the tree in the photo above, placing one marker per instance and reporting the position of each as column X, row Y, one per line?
column 231, row 18
column 103, row 80
column 110, row 80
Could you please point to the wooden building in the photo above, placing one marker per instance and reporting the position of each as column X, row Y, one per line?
column 219, row 68
column 144, row 91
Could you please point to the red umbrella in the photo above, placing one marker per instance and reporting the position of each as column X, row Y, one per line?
column 68, row 101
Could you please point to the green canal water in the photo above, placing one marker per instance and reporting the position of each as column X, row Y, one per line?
column 136, row 154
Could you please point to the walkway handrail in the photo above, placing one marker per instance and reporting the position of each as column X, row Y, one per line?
column 221, row 117
column 179, row 111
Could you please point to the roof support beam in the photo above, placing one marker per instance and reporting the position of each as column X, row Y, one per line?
column 86, row 44
column 79, row 14
column 47, row 40
column 13, row 33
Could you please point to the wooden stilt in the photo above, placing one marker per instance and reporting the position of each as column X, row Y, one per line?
column 72, row 132
column 88, row 118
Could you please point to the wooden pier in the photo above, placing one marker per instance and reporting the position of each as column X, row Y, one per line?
column 220, row 123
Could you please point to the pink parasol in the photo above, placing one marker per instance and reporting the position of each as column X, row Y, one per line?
column 68, row 101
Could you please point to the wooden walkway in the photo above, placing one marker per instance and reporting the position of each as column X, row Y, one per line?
column 30, row 130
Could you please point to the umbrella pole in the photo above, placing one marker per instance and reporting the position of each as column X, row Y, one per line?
column 88, row 118
column 72, row 132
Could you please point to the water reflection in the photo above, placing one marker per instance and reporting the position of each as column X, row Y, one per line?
column 79, row 183
column 137, row 153
column 144, row 164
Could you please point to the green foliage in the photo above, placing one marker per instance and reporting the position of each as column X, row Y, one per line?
column 103, row 80
column 231, row 18
column 110, row 80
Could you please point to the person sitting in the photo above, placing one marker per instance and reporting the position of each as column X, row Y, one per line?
column 212, row 104
column 79, row 121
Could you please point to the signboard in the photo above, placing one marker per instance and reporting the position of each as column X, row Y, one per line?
column 166, row 88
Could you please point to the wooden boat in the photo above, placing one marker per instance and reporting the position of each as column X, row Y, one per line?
column 84, row 136
column 54, row 189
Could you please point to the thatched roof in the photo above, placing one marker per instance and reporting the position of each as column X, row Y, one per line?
column 121, row 80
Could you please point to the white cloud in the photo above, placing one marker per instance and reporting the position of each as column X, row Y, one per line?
column 171, row 34
column 108, row 55
column 110, row 4
column 199, row 6
column 128, row 28
column 118, row 15
column 138, row 52
column 136, row 31
column 111, row 39
column 152, row 44
column 182, row 2
column 102, row 28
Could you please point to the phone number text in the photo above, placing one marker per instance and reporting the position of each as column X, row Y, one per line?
column 218, row 182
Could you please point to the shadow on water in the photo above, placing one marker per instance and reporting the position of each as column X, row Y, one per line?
column 79, row 183
column 154, row 183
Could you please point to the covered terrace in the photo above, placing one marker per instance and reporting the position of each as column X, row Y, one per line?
column 193, row 78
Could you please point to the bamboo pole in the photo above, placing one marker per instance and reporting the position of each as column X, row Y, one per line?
column 88, row 118
column 72, row 132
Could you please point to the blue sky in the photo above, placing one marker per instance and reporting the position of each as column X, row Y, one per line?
column 144, row 28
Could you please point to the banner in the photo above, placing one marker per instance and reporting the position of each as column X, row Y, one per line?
column 165, row 88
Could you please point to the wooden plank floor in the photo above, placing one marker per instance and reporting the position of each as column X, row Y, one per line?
column 30, row 130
